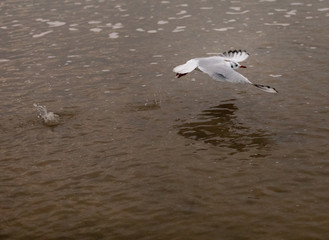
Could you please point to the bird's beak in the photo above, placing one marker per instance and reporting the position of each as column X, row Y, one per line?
column 243, row 66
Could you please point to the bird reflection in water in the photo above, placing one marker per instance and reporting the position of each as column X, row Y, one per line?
column 220, row 126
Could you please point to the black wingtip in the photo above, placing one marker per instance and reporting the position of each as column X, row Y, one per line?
column 235, row 51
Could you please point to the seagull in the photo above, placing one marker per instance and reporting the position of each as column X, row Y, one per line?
column 221, row 68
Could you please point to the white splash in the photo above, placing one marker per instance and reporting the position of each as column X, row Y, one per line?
column 48, row 118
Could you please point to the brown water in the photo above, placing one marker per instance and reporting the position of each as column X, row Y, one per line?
column 138, row 154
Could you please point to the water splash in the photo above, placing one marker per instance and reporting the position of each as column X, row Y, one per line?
column 48, row 118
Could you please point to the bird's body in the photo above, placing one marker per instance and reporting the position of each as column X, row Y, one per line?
column 221, row 68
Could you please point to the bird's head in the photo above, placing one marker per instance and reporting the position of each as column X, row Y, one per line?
column 235, row 65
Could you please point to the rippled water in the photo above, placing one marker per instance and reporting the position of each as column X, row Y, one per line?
column 138, row 154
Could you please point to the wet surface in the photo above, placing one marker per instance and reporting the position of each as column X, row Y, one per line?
column 140, row 154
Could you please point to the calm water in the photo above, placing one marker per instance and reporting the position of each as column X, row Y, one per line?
column 138, row 154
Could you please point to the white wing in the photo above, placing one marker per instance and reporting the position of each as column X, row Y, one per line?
column 235, row 55
column 219, row 70
column 189, row 66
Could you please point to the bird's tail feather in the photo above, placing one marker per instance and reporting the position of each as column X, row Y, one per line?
column 189, row 66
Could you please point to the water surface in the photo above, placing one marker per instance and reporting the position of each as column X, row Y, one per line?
column 138, row 154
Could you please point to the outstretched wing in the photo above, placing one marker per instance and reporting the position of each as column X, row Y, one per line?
column 220, row 71
column 189, row 66
column 235, row 55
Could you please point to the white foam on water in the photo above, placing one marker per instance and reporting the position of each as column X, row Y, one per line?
column 140, row 30
column 235, row 13
column 277, row 24
column 56, row 24
column 162, row 22
column 94, row 22
column 181, row 12
column 230, row 21
column 179, row 29
column 323, row 9
column 223, row 29
column 185, row 16
column 117, row 26
column 292, row 12
column 236, row 8
column 4, row 60
column 275, row 75
column 41, row 34
column 96, row 30
column 114, row 35
column 152, row 31
column 41, row 20
column 206, row 8
column 119, row 7
column 88, row 6
column 280, row 10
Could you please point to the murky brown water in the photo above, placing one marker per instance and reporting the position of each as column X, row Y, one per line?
column 139, row 154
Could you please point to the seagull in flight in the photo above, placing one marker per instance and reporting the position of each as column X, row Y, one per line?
column 221, row 68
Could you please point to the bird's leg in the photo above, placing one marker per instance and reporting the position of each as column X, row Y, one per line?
column 178, row 75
